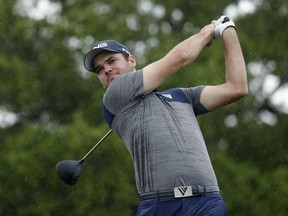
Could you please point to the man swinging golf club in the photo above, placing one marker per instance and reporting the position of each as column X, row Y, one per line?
column 173, row 171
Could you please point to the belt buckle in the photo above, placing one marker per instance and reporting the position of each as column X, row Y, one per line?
column 183, row 191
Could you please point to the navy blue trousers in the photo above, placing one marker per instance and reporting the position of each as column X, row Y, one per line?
column 206, row 205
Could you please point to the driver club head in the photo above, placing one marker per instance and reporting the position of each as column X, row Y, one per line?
column 69, row 170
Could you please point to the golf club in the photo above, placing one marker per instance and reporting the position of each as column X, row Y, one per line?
column 69, row 170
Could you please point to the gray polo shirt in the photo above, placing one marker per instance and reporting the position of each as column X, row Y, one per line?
column 161, row 133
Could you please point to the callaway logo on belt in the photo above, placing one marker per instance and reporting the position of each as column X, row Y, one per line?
column 184, row 191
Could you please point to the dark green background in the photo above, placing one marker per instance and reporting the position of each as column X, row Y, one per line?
column 58, row 104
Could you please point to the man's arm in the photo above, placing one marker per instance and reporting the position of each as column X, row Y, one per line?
column 182, row 54
column 236, row 86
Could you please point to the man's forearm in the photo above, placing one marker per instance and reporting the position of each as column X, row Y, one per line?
column 189, row 49
column 236, row 74
column 182, row 54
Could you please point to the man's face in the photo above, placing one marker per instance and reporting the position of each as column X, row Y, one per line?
column 109, row 65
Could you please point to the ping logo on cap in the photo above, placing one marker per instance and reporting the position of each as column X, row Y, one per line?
column 101, row 45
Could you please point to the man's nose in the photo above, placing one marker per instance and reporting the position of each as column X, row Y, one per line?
column 107, row 69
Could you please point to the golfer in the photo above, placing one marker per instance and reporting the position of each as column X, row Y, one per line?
column 173, row 171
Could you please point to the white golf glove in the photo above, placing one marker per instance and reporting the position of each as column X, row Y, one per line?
column 221, row 24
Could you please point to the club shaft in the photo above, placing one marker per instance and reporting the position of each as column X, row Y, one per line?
column 95, row 146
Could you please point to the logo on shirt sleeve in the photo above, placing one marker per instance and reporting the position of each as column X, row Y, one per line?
column 167, row 96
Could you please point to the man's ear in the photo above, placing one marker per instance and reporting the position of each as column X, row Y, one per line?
column 132, row 61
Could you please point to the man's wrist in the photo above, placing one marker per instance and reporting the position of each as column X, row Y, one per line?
column 231, row 30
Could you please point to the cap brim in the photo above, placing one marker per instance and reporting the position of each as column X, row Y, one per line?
column 88, row 60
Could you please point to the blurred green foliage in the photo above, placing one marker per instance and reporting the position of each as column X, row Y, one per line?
column 58, row 103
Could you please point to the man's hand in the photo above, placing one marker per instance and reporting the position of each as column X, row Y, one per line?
column 221, row 24
column 210, row 29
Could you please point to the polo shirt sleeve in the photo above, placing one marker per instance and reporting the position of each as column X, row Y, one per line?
column 193, row 94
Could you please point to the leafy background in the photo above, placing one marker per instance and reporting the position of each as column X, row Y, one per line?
column 53, row 104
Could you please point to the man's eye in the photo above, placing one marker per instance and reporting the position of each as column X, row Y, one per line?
column 112, row 60
column 98, row 70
